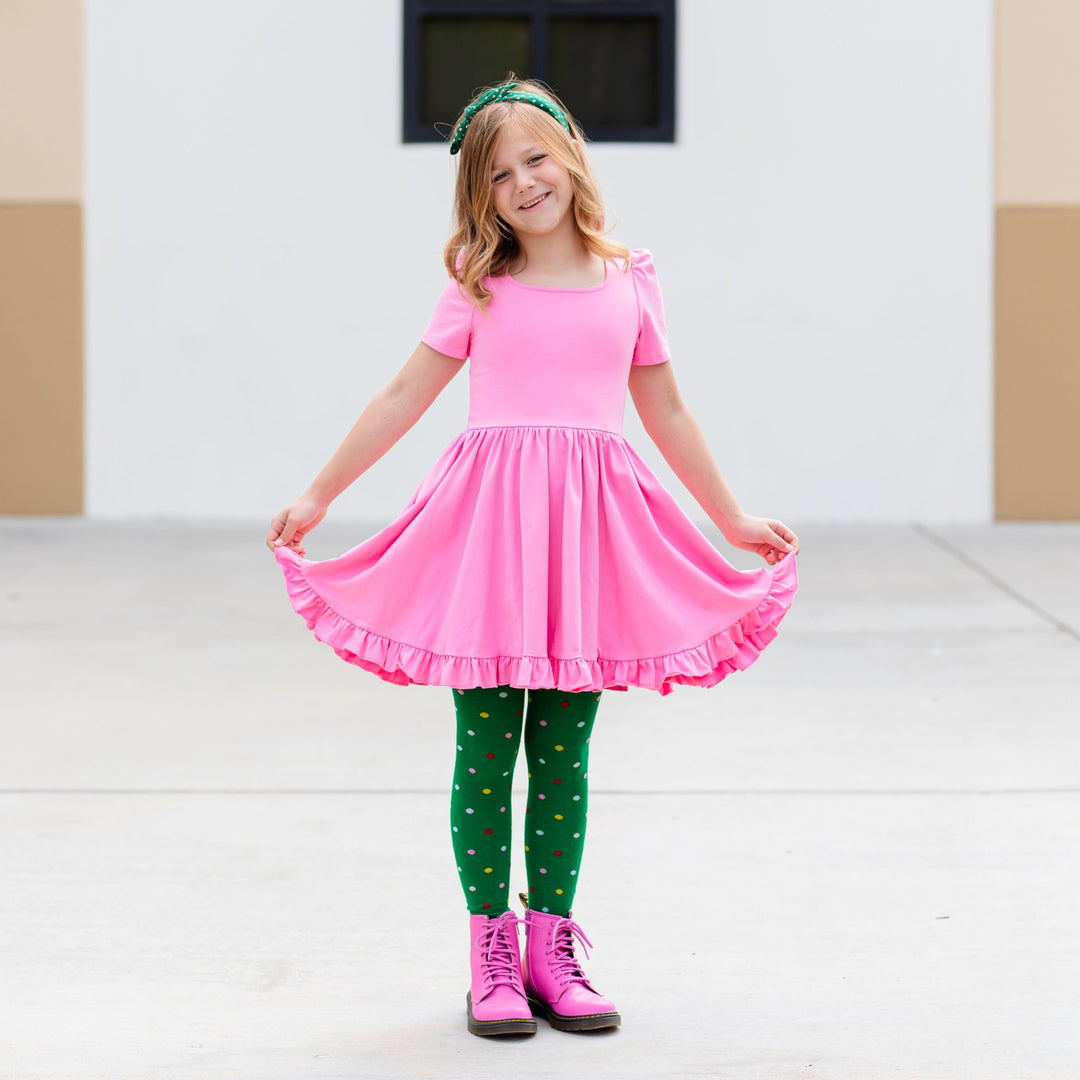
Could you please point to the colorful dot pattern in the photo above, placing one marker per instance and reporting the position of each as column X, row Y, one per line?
column 490, row 723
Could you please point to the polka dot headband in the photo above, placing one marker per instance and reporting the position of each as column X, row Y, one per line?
column 506, row 92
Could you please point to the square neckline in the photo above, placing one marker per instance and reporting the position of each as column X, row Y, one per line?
column 567, row 288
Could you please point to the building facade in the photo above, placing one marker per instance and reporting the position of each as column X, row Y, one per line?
column 215, row 246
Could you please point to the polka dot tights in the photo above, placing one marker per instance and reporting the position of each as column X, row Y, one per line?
column 557, row 726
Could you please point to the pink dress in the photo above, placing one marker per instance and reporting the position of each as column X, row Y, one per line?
column 540, row 550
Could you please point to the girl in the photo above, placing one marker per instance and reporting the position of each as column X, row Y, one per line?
column 540, row 561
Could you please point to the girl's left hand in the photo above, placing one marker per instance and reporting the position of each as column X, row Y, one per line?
column 770, row 539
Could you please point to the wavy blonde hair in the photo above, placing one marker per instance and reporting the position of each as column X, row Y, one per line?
column 482, row 245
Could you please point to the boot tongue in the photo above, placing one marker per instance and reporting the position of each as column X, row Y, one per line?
column 564, row 951
column 500, row 959
column 563, row 948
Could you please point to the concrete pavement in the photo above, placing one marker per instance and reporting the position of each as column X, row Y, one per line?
column 226, row 853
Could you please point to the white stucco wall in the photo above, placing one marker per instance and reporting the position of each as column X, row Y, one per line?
column 263, row 253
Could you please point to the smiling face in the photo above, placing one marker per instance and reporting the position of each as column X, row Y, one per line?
column 530, row 190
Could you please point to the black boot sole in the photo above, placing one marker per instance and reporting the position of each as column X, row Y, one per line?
column 513, row 1026
column 593, row 1022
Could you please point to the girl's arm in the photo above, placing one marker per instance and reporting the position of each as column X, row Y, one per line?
column 671, row 425
column 391, row 413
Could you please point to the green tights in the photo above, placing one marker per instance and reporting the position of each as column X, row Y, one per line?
column 557, row 728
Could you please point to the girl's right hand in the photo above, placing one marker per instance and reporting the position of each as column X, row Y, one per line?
column 290, row 527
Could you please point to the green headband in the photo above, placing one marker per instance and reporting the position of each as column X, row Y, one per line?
column 505, row 92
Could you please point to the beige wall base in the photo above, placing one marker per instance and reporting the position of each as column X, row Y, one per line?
column 41, row 359
column 1037, row 366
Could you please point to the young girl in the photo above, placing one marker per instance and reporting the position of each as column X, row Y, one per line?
column 540, row 561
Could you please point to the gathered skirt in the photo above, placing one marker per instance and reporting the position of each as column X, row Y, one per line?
column 541, row 556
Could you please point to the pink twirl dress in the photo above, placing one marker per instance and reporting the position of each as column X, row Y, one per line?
column 540, row 550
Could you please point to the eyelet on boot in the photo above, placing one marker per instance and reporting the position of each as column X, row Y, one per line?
column 496, row 1003
column 555, row 985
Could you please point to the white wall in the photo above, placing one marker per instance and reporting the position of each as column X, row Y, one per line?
column 262, row 253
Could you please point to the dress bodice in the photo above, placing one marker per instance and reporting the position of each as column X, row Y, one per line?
column 548, row 356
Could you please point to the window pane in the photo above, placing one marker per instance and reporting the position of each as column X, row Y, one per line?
column 607, row 70
column 460, row 54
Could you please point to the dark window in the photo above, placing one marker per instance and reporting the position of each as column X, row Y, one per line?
column 611, row 61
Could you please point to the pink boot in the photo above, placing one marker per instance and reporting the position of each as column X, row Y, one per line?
column 496, row 1000
column 554, row 982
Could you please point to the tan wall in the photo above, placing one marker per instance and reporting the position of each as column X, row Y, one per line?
column 41, row 407
column 1037, row 275
column 1037, row 391
column 41, row 337
column 1037, row 99
column 41, row 88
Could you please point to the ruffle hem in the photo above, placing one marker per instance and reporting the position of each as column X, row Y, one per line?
column 732, row 649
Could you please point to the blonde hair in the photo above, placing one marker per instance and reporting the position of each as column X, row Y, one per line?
column 482, row 245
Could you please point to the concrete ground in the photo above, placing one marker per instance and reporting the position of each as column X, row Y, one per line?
column 226, row 853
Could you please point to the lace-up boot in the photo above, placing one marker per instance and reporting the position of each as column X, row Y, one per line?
column 496, row 999
column 554, row 982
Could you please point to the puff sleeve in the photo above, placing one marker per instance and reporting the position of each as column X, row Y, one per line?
column 652, row 345
column 451, row 325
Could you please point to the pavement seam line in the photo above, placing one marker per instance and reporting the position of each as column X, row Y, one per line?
column 973, row 564
column 596, row 793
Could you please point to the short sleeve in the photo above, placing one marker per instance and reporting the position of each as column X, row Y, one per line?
column 652, row 345
column 450, row 328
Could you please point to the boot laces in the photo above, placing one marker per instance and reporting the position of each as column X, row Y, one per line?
column 502, row 961
column 564, row 964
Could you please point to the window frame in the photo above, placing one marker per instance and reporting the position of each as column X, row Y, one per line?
column 539, row 12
